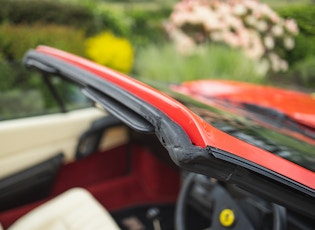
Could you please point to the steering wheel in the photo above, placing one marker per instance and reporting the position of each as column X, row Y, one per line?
column 226, row 213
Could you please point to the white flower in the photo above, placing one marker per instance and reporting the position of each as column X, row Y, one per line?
column 185, row 45
column 213, row 23
column 275, row 62
column 277, row 30
column 248, row 24
column 250, row 20
column 255, row 48
column 178, row 19
column 224, row 9
column 262, row 25
column 284, row 65
column 193, row 18
column 269, row 13
column 263, row 67
column 269, row 42
column 233, row 22
column 288, row 42
column 250, row 4
column 239, row 9
column 216, row 36
column 203, row 13
column 231, row 39
column 244, row 36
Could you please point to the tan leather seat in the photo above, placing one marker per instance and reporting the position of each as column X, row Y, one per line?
column 75, row 209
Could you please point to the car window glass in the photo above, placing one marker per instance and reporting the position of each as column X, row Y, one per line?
column 70, row 94
column 24, row 93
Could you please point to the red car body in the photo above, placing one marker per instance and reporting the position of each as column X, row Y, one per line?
column 260, row 139
column 201, row 133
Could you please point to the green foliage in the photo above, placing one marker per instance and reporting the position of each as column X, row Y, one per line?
column 305, row 41
column 304, row 16
column 304, row 72
column 47, row 12
column 302, row 57
column 304, row 47
column 24, row 93
column 113, row 19
column 140, row 25
column 20, row 94
column 163, row 63
column 16, row 40
column 147, row 26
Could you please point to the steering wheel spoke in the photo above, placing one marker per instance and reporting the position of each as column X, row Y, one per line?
column 215, row 202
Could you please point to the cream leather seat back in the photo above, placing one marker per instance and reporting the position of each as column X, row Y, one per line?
column 75, row 209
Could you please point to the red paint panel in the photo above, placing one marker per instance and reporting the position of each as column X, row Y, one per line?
column 297, row 105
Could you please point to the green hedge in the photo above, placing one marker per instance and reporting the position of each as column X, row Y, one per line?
column 303, row 72
column 147, row 26
column 302, row 57
column 303, row 14
column 305, row 41
column 140, row 25
column 15, row 40
column 47, row 12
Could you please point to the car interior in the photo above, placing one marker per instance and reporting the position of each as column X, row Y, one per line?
column 136, row 185
column 128, row 179
column 86, row 169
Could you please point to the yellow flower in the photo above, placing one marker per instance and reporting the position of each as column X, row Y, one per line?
column 111, row 51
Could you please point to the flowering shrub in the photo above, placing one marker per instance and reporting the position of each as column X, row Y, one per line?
column 246, row 24
column 111, row 51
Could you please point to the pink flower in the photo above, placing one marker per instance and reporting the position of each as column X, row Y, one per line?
column 231, row 39
column 291, row 26
column 250, row 4
column 255, row 48
column 246, row 24
column 244, row 37
column 233, row 22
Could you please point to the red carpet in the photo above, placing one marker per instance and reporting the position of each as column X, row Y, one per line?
column 116, row 181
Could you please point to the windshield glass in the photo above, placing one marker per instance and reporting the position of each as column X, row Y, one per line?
column 268, row 137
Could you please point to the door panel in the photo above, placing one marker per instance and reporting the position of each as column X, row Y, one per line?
column 28, row 141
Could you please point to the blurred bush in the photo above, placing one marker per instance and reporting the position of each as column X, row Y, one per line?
column 140, row 25
column 304, row 15
column 15, row 40
column 47, row 12
column 303, row 72
column 250, row 26
column 111, row 51
column 302, row 57
column 147, row 26
column 163, row 63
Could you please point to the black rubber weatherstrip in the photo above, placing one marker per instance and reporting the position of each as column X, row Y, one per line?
column 210, row 161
